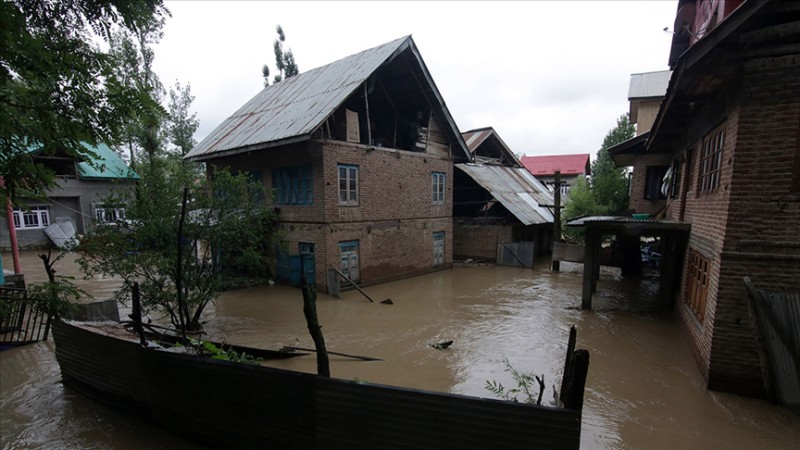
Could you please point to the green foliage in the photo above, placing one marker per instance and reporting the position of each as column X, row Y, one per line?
column 57, row 87
column 524, row 385
column 608, row 191
column 185, row 239
column 57, row 295
column 284, row 60
column 210, row 349
column 609, row 182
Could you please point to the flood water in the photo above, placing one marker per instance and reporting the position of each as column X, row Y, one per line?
column 643, row 390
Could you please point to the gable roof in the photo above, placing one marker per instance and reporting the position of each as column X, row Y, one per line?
column 105, row 165
column 291, row 110
column 568, row 164
column 516, row 189
column 485, row 143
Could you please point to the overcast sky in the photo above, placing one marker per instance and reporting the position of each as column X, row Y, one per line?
column 550, row 77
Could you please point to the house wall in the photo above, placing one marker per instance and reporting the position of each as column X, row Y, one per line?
column 475, row 240
column 646, row 115
column 72, row 198
column 393, row 222
column 637, row 202
column 747, row 226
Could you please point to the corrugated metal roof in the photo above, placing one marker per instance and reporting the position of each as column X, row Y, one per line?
column 295, row 106
column 567, row 164
column 521, row 193
column 291, row 110
column 107, row 166
column 475, row 138
column 650, row 84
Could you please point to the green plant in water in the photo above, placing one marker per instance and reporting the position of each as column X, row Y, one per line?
column 215, row 352
column 524, row 385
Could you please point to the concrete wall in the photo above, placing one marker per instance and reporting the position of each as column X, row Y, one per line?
column 73, row 198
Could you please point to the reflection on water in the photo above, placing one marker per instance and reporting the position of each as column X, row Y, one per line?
column 643, row 388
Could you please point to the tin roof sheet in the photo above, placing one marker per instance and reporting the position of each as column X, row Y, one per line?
column 649, row 84
column 294, row 108
column 107, row 166
column 567, row 164
column 522, row 194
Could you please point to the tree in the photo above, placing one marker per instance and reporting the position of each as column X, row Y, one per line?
column 182, row 122
column 284, row 60
column 609, row 182
column 57, row 87
column 608, row 191
column 185, row 239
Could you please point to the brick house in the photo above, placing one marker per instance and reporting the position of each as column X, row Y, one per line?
column 730, row 126
column 76, row 199
column 498, row 206
column 571, row 167
column 359, row 154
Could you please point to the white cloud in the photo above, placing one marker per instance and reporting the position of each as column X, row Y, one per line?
column 550, row 77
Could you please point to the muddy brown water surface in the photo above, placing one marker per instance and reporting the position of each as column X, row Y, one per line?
column 643, row 390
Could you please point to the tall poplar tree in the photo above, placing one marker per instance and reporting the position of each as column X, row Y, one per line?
column 284, row 60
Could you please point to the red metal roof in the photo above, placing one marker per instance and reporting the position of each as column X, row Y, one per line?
column 567, row 164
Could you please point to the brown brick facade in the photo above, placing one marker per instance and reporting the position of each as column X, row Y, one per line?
column 394, row 221
column 750, row 224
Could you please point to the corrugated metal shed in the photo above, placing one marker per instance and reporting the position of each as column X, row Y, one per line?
column 521, row 193
column 649, row 84
column 291, row 110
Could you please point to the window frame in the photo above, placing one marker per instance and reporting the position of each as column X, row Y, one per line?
column 101, row 214
column 652, row 172
column 351, row 184
column 697, row 283
column 710, row 161
column 293, row 185
column 438, row 187
column 40, row 212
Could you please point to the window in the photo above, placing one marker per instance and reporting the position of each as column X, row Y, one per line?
column 293, row 185
column 711, row 160
column 654, row 179
column 108, row 215
column 438, row 188
column 697, row 283
column 348, row 184
column 675, row 178
column 35, row 217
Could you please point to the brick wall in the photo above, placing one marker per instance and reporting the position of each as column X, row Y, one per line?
column 479, row 240
column 762, row 236
column 393, row 222
column 637, row 201
column 749, row 224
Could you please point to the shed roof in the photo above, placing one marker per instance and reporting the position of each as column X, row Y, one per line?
column 649, row 84
column 291, row 110
column 486, row 145
column 568, row 164
column 107, row 166
column 516, row 189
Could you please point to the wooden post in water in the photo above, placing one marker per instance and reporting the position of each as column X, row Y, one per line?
column 573, row 335
column 577, row 382
column 556, row 265
column 310, row 312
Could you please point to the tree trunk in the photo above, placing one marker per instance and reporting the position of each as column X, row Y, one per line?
column 310, row 311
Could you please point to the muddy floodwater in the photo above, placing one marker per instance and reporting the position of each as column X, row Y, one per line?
column 643, row 390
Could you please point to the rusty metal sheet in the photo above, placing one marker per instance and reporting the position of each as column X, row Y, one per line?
column 522, row 194
column 297, row 105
